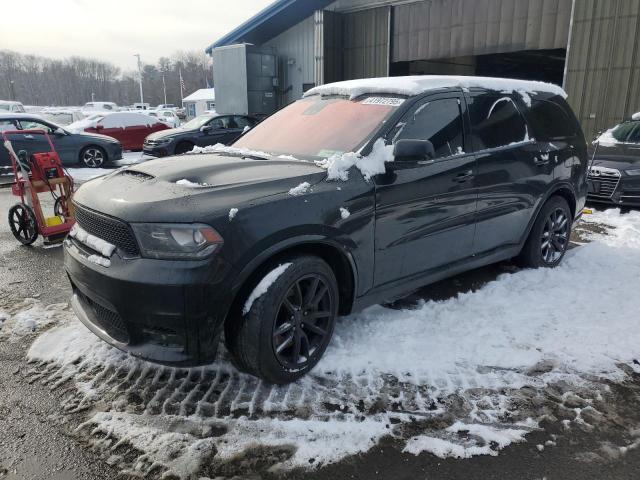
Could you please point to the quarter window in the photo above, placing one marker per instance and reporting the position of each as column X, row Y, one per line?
column 551, row 122
column 439, row 121
column 634, row 137
column 496, row 122
column 242, row 122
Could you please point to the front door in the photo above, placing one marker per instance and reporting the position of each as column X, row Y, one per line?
column 219, row 130
column 425, row 210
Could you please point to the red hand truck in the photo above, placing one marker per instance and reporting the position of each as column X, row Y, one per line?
column 34, row 174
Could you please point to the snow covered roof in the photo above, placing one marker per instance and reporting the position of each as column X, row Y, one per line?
column 415, row 85
column 635, row 116
column 202, row 94
column 16, row 115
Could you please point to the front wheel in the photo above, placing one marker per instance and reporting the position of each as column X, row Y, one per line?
column 23, row 223
column 93, row 157
column 287, row 321
column 549, row 238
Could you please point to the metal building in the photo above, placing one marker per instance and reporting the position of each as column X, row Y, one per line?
column 591, row 47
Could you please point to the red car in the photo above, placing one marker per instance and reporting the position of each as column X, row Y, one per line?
column 129, row 128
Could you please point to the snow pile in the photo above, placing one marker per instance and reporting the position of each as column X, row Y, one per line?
column 344, row 213
column 222, row 149
column 338, row 166
column 28, row 317
column 98, row 260
column 607, row 139
column 300, row 189
column 635, row 116
column 462, row 362
column 414, row 85
column 91, row 241
column 189, row 184
column 263, row 286
column 232, row 213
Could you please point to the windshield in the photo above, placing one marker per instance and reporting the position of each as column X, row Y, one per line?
column 319, row 127
column 59, row 118
column 623, row 131
column 197, row 122
column 4, row 106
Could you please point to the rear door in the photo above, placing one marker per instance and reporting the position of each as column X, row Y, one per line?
column 425, row 210
column 514, row 171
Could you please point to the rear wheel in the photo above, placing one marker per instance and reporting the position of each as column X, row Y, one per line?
column 549, row 238
column 183, row 147
column 23, row 224
column 93, row 157
column 286, row 330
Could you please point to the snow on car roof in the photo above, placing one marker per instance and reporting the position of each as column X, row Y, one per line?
column 635, row 116
column 414, row 85
column 18, row 116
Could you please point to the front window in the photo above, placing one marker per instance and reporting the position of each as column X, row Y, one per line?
column 318, row 127
column 197, row 122
column 624, row 132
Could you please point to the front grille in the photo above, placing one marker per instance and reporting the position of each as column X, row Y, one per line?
column 107, row 228
column 607, row 186
column 107, row 320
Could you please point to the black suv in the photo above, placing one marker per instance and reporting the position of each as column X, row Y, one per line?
column 205, row 130
column 614, row 176
column 271, row 239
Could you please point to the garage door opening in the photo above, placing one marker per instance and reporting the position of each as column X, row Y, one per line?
column 542, row 65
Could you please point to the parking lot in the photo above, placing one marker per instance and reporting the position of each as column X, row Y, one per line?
column 529, row 396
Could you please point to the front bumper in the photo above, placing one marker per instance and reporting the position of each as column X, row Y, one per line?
column 624, row 191
column 157, row 151
column 168, row 312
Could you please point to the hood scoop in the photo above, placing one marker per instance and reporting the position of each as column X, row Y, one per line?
column 141, row 176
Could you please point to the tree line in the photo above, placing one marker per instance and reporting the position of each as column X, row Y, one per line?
column 37, row 80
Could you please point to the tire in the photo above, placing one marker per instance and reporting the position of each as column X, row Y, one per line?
column 272, row 341
column 550, row 236
column 23, row 223
column 183, row 147
column 93, row 156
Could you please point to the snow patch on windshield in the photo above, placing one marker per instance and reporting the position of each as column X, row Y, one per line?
column 607, row 139
column 300, row 189
column 344, row 213
column 414, row 85
column 338, row 166
column 232, row 213
column 263, row 286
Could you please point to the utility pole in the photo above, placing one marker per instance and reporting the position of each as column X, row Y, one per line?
column 93, row 97
column 13, row 92
column 164, row 87
column 140, row 76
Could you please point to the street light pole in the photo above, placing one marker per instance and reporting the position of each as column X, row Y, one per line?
column 140, row 76
column 164, row 87
column 13, row 92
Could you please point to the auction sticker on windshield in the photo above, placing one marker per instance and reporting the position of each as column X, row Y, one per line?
column 390, row 101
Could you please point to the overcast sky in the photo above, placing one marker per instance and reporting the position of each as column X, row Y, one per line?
column 114, row 30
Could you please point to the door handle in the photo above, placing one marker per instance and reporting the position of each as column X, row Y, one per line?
column 464, row 177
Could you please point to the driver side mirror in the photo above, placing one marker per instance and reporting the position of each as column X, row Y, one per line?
column 59, row 132
column 206, row 128
column 413, row 150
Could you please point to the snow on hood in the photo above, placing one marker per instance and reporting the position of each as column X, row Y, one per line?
column 338, row 166
column 414, row 85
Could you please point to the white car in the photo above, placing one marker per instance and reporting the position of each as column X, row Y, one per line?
column 99, row 107
column 10, row 106
column 62, row 116
column 166, row 116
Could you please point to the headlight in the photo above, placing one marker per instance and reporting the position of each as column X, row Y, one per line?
column 176, row 241
column 633, row 172
column 161, row 141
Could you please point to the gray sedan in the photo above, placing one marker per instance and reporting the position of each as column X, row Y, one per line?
column 87, row 149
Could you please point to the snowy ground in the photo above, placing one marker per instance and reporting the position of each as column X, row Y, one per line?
column 461, row 377
column 81, row 175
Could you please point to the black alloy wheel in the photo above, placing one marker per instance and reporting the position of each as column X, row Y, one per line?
column 303, row 322
column 286, row 330
column 23, row 223
column 555, row 236
column 550, row 236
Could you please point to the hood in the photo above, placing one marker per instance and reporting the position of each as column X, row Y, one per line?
column 209, row 185
column 170, row 133
column 620, row 156
column 95, row 136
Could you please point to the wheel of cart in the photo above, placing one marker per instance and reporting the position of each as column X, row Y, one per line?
column 40, row 172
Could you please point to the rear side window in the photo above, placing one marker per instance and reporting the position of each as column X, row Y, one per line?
column 439, row 121
column 496, row 122
column 550, row 121
column 634, row 137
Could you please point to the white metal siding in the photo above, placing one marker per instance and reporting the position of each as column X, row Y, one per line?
column 295, row 50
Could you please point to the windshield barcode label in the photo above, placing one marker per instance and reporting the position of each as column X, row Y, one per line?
column 390, row 101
